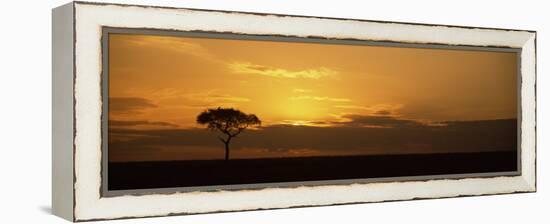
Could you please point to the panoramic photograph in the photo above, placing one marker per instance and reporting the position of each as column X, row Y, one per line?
column 200, row 111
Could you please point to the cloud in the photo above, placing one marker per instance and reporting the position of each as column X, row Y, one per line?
column 383, row 112
column 174, row 44
column 316, row 123
column 297, row 90
column 214, row 97
column 255, row 69
column 203, row 97
column 378, row 109
column 225, row 98
column 320, row 98
column 129, row 104
column 285, row 140
column 377, row 121
column 120, row 123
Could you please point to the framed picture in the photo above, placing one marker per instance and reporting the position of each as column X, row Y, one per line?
column 162, row 111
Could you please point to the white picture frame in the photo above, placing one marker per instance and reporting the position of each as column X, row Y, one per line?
column 77, row 111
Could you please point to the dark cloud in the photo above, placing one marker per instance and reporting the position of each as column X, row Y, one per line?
column 129, row 104
column 377, row 120
column 383, row 112
column 404, row 137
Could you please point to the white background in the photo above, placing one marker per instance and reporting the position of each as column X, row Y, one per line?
column 25, row 90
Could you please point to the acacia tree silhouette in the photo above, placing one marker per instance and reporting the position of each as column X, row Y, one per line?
column 229, row 121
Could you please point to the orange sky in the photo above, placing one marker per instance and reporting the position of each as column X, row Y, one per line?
column 162, row 82
column 300, row 82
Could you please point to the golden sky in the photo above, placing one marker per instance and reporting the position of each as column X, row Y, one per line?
column 300, row 82
column 163, row 82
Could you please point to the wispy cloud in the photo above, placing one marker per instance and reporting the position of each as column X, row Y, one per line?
column 320, row 98
column 129, row 104
column 298, row 90
column 255, row 69
column 185, row 95
column 378, row 109
column 382, row 121
column 137, row 123
column 175, row 44
column 213, row 97
column 313, row 123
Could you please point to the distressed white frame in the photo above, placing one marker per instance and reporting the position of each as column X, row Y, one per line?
column 89, row 20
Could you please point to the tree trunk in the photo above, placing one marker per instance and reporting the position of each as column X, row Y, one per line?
column 227, row 148
column 226, row 142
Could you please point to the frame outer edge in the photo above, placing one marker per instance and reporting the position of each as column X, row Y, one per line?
column 536, row 114
column 529, row 104
column 94, row 206
column 534, row 184
column 62, row 111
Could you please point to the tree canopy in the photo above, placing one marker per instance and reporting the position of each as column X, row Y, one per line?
column 229, row 121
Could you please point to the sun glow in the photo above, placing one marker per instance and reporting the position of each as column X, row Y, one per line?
column 301, row 110
column 299, row 123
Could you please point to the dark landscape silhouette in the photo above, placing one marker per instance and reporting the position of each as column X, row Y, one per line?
column 457, row 147
column 167, row 174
